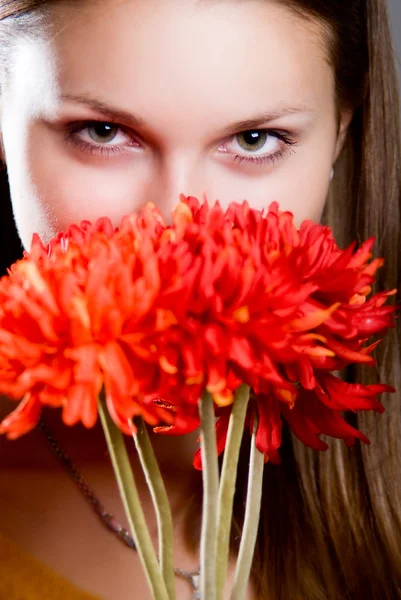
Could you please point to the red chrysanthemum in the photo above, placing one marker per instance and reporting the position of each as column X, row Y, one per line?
column 62, row 313
column 333, row 323
column 157, row 313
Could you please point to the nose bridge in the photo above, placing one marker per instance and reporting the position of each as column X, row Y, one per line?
column 180, row 173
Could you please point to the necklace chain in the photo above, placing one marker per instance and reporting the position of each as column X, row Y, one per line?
column 107, row 518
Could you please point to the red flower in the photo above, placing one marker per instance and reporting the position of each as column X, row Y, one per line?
column 62, row 315
column 216, row 298
column 333, row 323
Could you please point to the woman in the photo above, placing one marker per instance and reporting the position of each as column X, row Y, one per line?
column 108, row 104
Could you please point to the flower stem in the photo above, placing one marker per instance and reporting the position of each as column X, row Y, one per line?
column 227, row 485
column 131, row 501
column 160, row 502
column 210, row 474
column 251, row 521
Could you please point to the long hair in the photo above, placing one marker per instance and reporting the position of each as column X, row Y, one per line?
column 330, row 525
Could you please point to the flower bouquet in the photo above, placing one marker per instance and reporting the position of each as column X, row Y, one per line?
column 221, row 320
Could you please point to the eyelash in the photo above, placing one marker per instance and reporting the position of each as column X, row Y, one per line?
column 104, row 150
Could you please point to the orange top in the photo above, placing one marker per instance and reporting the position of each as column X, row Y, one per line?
column 23, row 577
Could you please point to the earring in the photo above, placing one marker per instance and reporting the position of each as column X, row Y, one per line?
column 332, row 174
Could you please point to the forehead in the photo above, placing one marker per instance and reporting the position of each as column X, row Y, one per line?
column 209, row 55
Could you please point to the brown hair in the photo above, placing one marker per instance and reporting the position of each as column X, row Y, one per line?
column 330, row 524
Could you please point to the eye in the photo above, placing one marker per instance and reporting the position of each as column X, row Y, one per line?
column 109, row 139
column 102, row 133
column 100, row 138
column 252, row 141
column 259, row 146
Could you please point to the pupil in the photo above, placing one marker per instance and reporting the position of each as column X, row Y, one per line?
column 252, row 140
column 251, row 137
column 103, row 129
column 103, row 132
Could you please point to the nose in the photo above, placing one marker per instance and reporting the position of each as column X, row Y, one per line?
column 175, row 176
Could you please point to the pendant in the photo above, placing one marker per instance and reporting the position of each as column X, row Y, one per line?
column 193, row 580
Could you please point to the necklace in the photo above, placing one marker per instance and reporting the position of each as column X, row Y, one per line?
column 107, row 518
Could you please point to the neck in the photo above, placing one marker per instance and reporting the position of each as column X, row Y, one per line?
column 88, row 451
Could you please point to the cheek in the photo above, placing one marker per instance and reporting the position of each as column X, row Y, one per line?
column 299, row 183
column 297, row 187
column 73, row 189
column 68, row 191
column 305, row 195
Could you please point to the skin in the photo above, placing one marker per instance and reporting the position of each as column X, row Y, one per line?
column 180, row 74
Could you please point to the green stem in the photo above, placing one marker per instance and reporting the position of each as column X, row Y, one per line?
column 227, row 485
column 132, row 503
column 210, row 474
column 251, row 521
column 160, row 502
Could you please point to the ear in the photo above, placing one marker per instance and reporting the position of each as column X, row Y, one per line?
column 345, row 120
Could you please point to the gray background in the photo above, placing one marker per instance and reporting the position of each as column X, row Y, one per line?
column 395, row 14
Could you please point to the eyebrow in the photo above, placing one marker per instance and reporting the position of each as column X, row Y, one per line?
column 134, row 121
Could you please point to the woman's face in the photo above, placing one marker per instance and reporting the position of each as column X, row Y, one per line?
column 141, row 100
